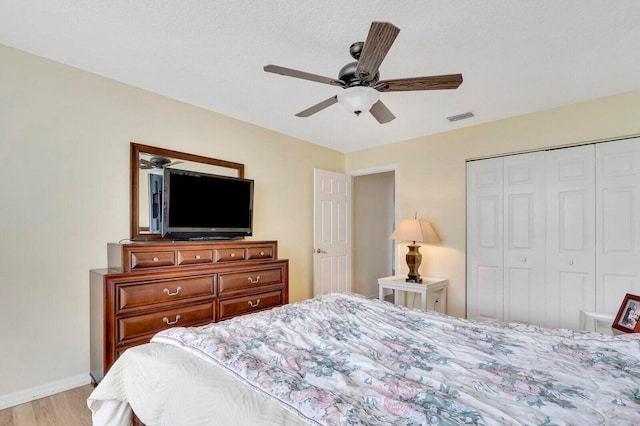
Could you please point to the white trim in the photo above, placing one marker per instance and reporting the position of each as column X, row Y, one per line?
column 41, row 391
column 374, row 170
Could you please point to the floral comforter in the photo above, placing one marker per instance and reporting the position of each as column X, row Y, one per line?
column 341, row 359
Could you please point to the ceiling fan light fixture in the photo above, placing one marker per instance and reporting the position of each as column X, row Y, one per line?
column 358, row 99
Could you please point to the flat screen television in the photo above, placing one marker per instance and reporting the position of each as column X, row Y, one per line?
column 206, row 206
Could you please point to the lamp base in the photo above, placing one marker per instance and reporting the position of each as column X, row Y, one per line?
column 414, row 259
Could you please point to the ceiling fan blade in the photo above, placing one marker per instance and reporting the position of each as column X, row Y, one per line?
column 381, row 113
column 318, row 107
column 145, row 164
column 173, row 163
column 381, row 37
column 436, row 82
column 303, row 75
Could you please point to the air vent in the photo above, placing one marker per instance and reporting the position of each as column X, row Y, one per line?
column 459, row 117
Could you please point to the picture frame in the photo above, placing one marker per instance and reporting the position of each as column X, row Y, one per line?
column 628, row 318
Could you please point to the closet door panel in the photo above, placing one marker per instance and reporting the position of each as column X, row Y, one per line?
column 524, row 254
column 485, row 239
column 570, row 235
column 618, row 224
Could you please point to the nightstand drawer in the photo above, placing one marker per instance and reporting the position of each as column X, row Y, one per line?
column 148, row 324
column 243, row 305
column 140, row 294
column 248, row 280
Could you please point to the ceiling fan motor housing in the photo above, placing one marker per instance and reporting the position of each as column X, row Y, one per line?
column 348, row 75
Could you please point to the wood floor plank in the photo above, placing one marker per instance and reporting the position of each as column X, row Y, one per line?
column 66, row 408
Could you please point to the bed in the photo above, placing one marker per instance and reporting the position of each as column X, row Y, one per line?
column 342, row 359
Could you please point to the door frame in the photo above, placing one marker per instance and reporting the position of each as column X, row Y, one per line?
column 395, row 168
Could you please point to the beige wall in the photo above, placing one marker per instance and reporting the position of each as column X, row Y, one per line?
column 432, row 179
column 64, row 193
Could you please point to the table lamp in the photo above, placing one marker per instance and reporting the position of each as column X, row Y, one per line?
column 414, row 230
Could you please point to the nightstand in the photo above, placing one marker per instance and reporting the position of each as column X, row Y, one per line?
column 596, row 321
column 437, row 286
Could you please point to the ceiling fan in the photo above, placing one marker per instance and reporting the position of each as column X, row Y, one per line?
column 157, row 163
column 361, row 79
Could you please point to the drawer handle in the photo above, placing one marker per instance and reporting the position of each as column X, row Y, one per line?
column 166, row 320
column 168, row 293
column 254, row 305
column 197, row 257
column 261, row 253
column 232, row 255
column 155, row 259
column 251, row 281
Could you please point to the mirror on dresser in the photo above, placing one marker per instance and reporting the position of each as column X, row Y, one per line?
column 147, row 168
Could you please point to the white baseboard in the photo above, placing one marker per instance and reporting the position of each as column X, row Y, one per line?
column 42, row 391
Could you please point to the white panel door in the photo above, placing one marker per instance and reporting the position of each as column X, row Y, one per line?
column 570, row 235
column 332, row 232
column 524, row 238
column 618, row 222
column 485, row 239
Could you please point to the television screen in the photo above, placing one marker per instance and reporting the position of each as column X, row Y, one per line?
column 199, row 205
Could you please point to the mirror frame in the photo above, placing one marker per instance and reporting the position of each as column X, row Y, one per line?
column 136, row 150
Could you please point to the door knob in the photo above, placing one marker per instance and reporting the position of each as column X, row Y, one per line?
column 320, row 251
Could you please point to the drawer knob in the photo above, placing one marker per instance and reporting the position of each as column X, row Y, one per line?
column 197, row 257
column 168, row 292
column 252, row 281
column 261, row 253
column 155, row 259
column 232, row 255
column 166, row 320
column 254, row 305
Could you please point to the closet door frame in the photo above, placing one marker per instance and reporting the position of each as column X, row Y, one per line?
column 591, row 234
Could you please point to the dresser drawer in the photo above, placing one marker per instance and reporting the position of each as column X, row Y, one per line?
column 147, row 324
column 243, row 305
column 229, row 255
column 248, row 280
column 195, row 257
column 145, row 294
column 255, row 253
column 152, row 259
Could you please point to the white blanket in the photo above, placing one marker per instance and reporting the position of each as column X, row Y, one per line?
column 167, row 386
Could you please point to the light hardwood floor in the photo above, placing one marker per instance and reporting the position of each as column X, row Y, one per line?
column 66, row 408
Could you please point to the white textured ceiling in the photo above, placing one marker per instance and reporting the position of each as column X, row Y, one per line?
column 516, row 56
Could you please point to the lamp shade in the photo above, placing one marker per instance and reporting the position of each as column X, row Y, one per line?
column 358, row 99
column 415, row 230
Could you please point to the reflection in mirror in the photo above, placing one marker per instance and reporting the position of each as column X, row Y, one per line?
column 147, row 169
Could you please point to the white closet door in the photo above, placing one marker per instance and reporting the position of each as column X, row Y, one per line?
column 618, row 224
column 484, row 239
column 524, row 238
column 570, row 235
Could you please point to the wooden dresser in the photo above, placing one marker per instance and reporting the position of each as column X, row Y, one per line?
column 152, row 286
